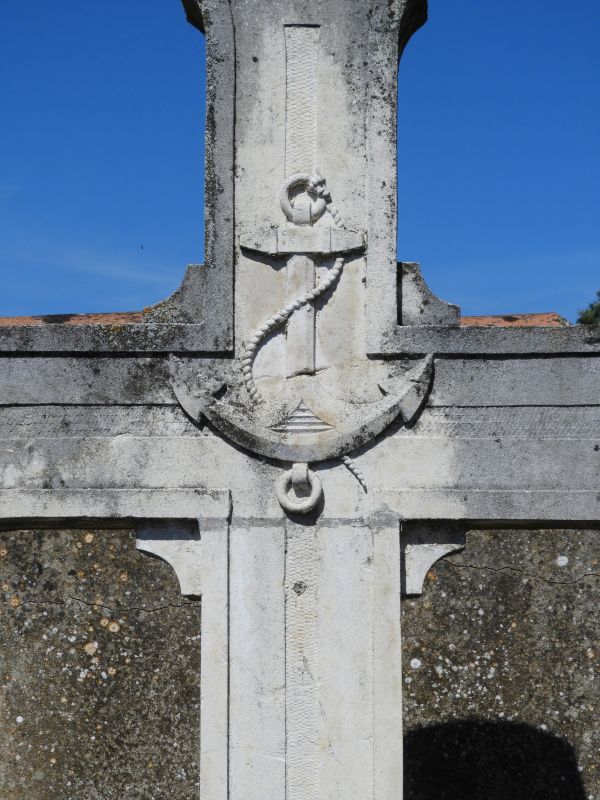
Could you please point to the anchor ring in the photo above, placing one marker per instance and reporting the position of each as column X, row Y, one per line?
column 306, row 214
column 295, row 504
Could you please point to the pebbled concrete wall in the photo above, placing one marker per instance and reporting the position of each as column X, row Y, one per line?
column 502, row 670
column 99, row 671
column 99, row 662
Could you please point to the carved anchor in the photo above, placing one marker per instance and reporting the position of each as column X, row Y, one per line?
column 299, row 437
column 252, row 429
column 302, row 211
column 303, row 245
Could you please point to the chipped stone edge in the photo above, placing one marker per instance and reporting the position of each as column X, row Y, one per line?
column 417, row 304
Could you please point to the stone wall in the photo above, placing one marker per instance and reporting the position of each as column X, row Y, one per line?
column 502, row 670
column 99, row 670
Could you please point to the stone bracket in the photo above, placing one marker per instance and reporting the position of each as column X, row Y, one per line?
column 181, row 547
column 423, row 544
column 173, row 521
column 417, row 305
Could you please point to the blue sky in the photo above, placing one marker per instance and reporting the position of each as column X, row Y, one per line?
column 101, row 154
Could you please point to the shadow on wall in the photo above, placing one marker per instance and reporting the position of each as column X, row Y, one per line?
column 478, row 760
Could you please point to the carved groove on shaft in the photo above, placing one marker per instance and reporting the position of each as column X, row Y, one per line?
column 301, row 678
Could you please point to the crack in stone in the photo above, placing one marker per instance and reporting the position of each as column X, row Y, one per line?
column 523, row 572
column 119, row 609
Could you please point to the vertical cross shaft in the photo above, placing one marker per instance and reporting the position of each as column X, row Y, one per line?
column 313, row 661
column 301, row 43
column 315, row 697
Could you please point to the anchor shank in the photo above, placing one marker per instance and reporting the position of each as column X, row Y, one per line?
column 300, row 332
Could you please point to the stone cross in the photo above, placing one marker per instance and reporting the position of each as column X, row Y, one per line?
column 326, row 421
column 311, row 662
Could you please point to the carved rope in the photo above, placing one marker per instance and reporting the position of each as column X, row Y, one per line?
column 277, row 320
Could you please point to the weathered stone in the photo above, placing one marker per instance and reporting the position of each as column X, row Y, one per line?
column 510, row 703
column 493, row 341
column 417, row 305
column 275, row 443
column 194, row 302
column 423, row 544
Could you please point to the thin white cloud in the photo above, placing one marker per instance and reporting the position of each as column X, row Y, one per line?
column 115, row 266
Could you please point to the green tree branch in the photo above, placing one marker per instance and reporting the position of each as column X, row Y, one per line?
column 591, row 314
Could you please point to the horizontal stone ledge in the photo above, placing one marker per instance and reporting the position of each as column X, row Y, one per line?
column 115, row 338
column 556, row 380
column 475, row 341
column 136, row 379
column 111, row 504
column 195, row 338
column 504, row 506
column 19, row 422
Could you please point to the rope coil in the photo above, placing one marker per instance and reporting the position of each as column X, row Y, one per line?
column 279, row 319
column 352, row 467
